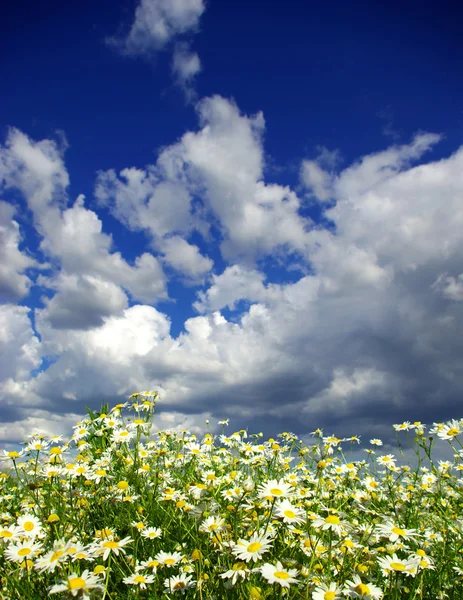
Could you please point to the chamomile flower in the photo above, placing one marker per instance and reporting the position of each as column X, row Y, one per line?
column 394, row 533
column 106, row 547
column 54, row 558
column 327, row 592
column 78, row 584
column 365, row 591
column 152, row 533
column 275, row 489
column 278, row 574
column 450, row 430
column 252, row 549
column 139, row 580
column 168, row 559
column 332, row 522
column 150, row 565
column 238, row 570
column 120, row 436
column 289, row 513
column 393, row 564
column 30, row 526
column 9, row 534
column 213, row 525
column 179, row 583
column 22, row 551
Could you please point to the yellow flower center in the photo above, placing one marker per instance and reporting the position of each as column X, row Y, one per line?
column 5, row 533
column 398, row 531
column 179, row 585
column 24, row 551
column 254, row 547
column 28, row 526
column 111, row 544
column 362, row 589
column 453, row 432
column 281, row 574
column 397, row 566
column 76, row 583
column 276, row 492
column 139, row 579
column 56, row 555
column 152, row 564
column 290, row 514
column 169, row 561
column 13, row 454
column 332, row 520
column 329, row 595
column 122, row 485
column 100, row 472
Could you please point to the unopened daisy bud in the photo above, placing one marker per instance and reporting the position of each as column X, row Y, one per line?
column 255, row 593
column 53, row 518
column 196, row 554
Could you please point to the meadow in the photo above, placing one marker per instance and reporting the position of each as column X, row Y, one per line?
column 121, row 511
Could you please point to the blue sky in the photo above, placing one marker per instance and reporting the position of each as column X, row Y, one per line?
column 255, row 207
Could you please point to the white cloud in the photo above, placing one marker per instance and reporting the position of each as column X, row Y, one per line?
column 14, row 282
column 368, row 337
column 72, row 236
column 185, row 257
column 450, row 287
column 35, row 168
column 19, row 346
column 225, row 161
column 157, row 22
column 234, row 284
column 82, row 301
column 185, row 65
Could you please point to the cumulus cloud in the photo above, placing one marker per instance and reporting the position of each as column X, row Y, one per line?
column 157, row 22
column 14, row 281
column 82, row 301
column 369, row 337
column 185, row 257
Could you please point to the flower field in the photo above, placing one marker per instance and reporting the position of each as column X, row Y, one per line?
column 120, row 512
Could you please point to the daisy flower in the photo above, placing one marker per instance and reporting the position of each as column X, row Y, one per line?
column 152, row 533
column 22, row 551
column 275, row 489
column 11, row 455
column 78, row 584
column 212, row 525
column 386, row 460
column 168, row 559
column 139, row 580
column 357, row 589
column 30, row 526
column 120, row 436
column 239, row 569
column 9, row 534
column 149, row 564
column 394, row 533
column 391, row 564
column 331, row 522
column 289, row 513
column 450, row 430
column 278, row 574
column 179, row 583
column 114, row 546
column 325, row 592
column 53, row 558
column 252, row 549
column 425, row 561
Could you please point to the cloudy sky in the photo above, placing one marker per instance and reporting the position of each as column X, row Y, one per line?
column 255, row 207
